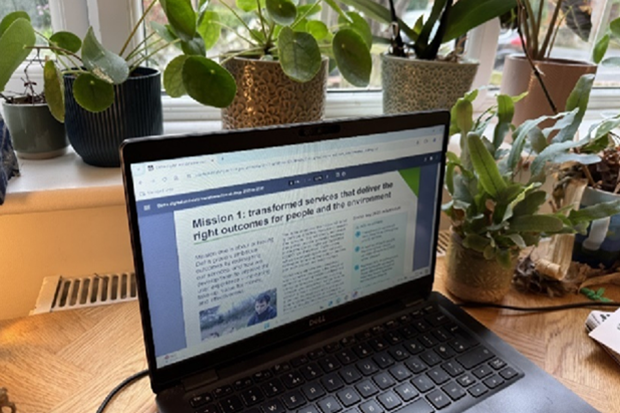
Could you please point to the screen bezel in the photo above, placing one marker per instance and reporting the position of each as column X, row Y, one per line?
column 177, row 146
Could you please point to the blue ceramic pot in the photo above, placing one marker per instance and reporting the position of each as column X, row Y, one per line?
column 136, row 111
column 601, row 245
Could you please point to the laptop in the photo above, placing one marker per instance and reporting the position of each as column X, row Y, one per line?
column 290, row 269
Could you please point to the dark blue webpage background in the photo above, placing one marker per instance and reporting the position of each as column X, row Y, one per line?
column 159, row 246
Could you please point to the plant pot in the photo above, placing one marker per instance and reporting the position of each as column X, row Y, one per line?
column 266, row 96
column 411, row 85
column 560, row 77
column 136, row 111
column 36, row 134
column 471, row 277
column 601, row 245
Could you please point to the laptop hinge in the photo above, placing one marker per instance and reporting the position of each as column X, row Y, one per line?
column 410, row 301
column 199, row 380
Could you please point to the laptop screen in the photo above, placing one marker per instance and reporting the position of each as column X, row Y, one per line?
column 238, row 243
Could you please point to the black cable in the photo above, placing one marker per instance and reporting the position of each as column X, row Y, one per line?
column 474, row 304
column 118, row 388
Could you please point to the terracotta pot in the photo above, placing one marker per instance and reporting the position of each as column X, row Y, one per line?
column 471, row 277
column 266, row 96
column 560, row 77
column 411, row 85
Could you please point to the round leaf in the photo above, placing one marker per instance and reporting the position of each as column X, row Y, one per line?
column 611, row 62
column 194, row 47
column 164, row 32
column 54, row 90
column 14, row 48
column 359, row 24
column 67, row 41
column 207, row 82
column 173, row 77
column 92, row 93
column 282, row 12
column 181, row 16
column 352, row 57
column 309, row 9
column 249, row 5
column 104, row 64
column 299, row 53
column 10, row 18
column 318, row 29
column 209, row 28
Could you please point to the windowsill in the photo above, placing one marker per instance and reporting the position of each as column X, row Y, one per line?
column 67, row 183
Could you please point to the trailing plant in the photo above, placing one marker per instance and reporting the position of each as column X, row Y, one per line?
column 97, row 69
column 283, row 31
column 495, row 206
column 449, row 20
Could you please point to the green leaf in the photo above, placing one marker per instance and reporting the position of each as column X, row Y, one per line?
column 504, row 258
column 337, row 9
column 209, row 28
column 14, row 50
column 461, row 117
column 54, row 89
column 282, row 11
column 181, row 17
column 600, row 48
column 92, row 93
column 247, row 5
column 468, row 14
column 611, row 62
column 207, row 82
column 537, row 139
column 194, row 47
column 300, row 56
column 173, row 77
column 485, row 166
column 614, row 26
column 594, row 212
column 8, row 20
column 309, row 9
column 317, row 29
column 530, row 204
column 518, row 240
column 359, row 24
column 578, row 99
column 476, row 242
column 376, row 11
column 535, row 223
column 352, row 57
column 104, row 64
column 552, row 153
column 67, row 41
column 164, row 32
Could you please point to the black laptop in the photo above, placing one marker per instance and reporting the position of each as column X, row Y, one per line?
column 289, row 269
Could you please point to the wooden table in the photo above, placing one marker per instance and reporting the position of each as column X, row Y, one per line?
column 69, row 361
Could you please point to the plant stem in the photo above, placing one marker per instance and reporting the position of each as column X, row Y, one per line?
column 261, row 18
column 139, row 45
column 55, row 49
column 223, row 3
column 555, row 35
column 588, row 175
column 236, row 33
column 552, row 24
column 135, row 28
column 303, row 16
column 554, row 108
column 233, row 55
column 145, row 58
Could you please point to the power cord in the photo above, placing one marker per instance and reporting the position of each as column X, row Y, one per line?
column 118, row 388
column 585, row 304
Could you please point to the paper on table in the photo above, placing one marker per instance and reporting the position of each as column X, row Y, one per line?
column 608, row 333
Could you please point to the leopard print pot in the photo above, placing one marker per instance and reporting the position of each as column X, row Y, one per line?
column 411, row 85
column 266, row 96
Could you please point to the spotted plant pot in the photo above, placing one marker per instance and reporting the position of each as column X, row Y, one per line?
column 411, row 85
column 266, row 96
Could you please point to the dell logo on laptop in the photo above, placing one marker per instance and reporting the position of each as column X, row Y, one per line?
column 317, row 321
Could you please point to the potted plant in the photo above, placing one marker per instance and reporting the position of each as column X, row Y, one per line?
column 281, row 74
column 414, row 75
column 107, row 97
column 35, row 133
column 496, row 211
column 548, row 81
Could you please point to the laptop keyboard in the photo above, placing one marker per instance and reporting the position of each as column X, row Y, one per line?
column 420, row 362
